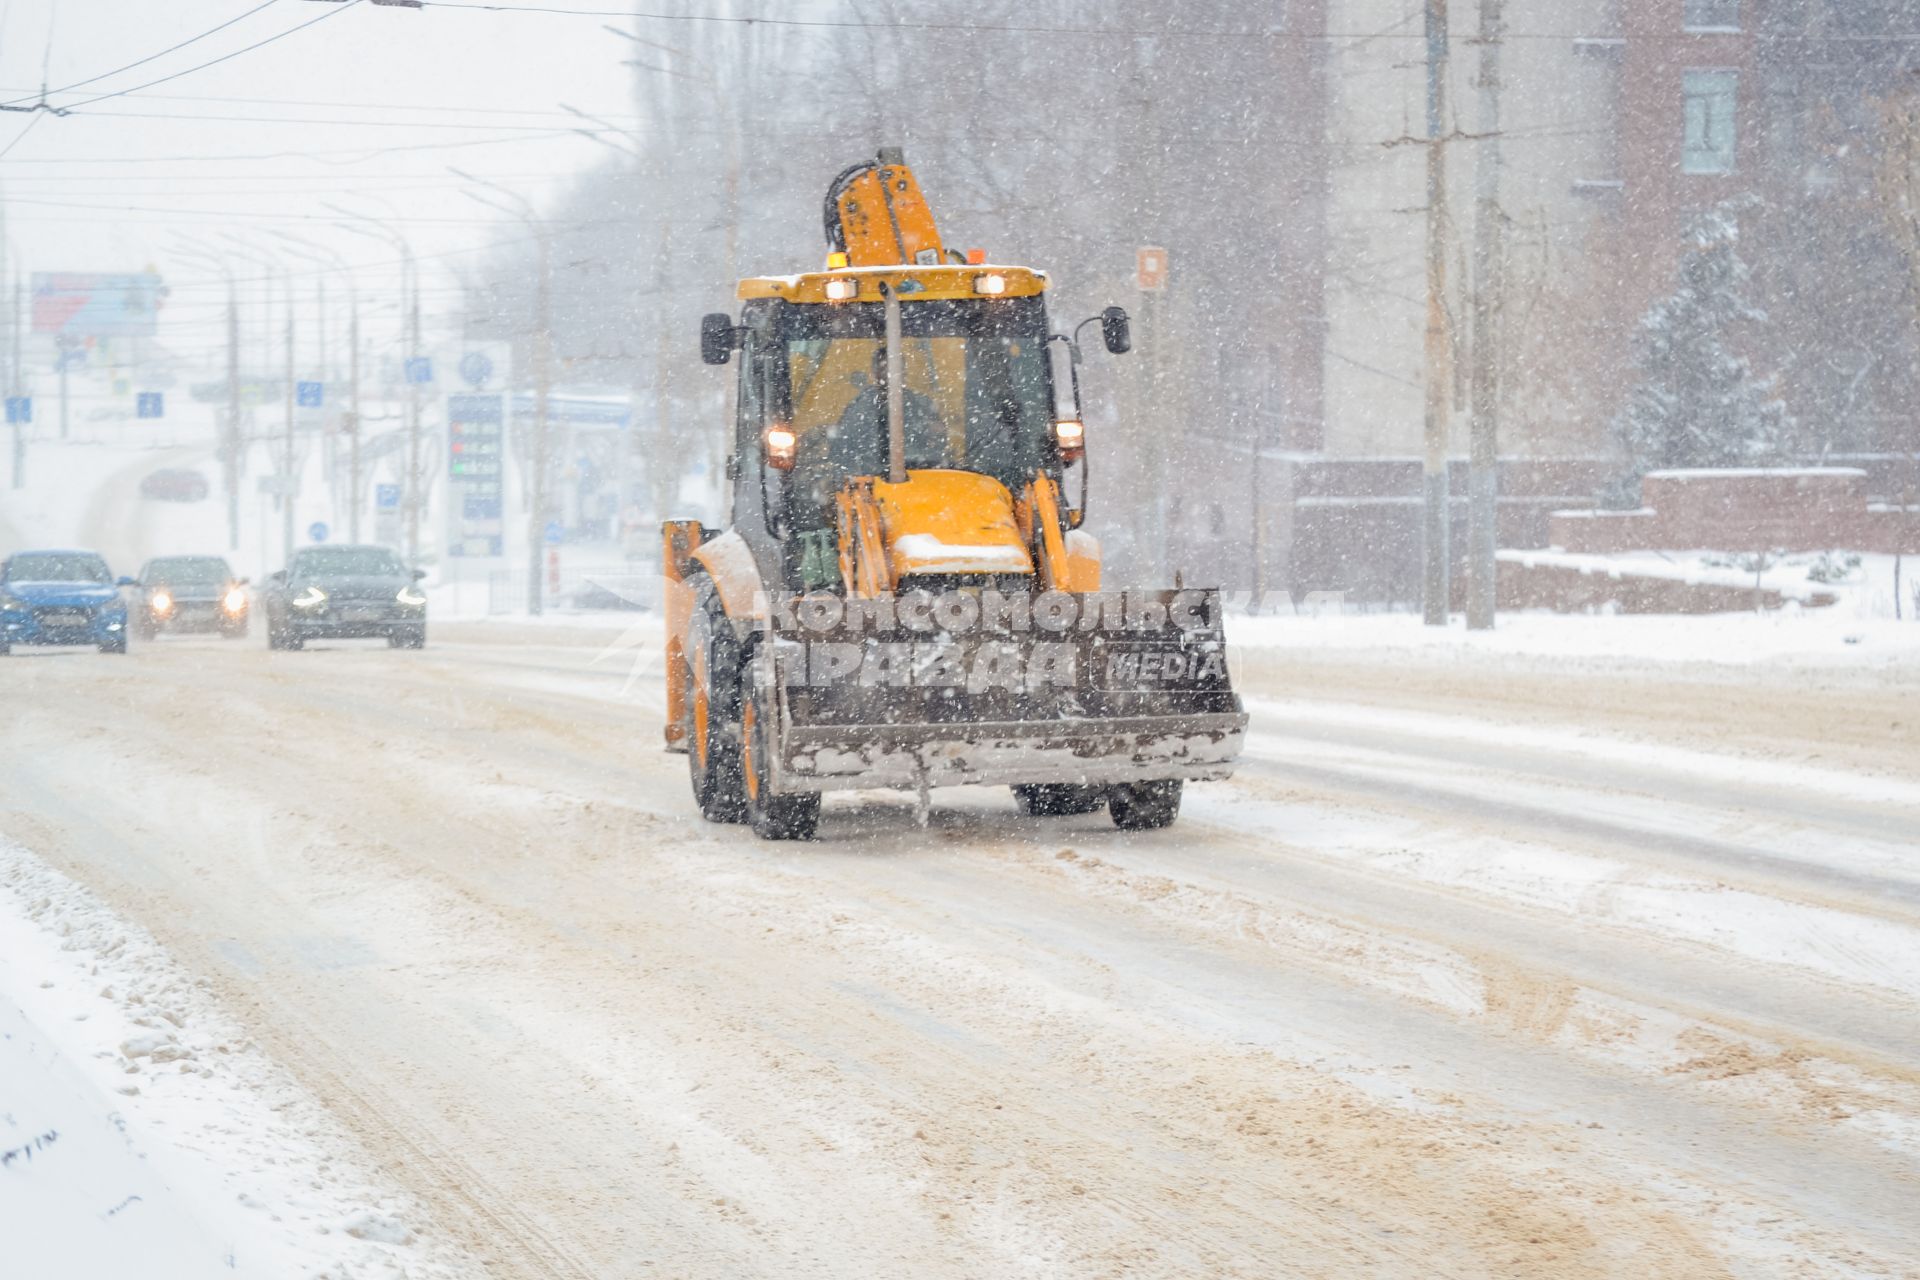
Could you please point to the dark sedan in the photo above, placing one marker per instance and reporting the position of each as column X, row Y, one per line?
column 344, row 592
column 190, row 593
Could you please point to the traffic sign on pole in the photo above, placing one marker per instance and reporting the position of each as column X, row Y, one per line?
column 420, row 369
column 309, row 394
column 317, row 531
column 150, row 404
column 19, row 409
column 386, row 497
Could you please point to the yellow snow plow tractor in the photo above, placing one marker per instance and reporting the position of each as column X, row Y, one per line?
column 905, row 597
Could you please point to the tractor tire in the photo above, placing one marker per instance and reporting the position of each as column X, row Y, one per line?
column 773, row 817
column 1057, row 800
column 713, row 709
column 1144, row 806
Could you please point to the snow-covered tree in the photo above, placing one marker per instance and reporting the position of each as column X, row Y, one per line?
column 1698, row 404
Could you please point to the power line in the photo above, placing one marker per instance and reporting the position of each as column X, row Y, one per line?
column 225, row 57
column 1704, row 38
column 22, row 134
column 81, row 84
column 362, row 153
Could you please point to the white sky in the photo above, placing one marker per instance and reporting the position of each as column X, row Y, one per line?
column 361, row 108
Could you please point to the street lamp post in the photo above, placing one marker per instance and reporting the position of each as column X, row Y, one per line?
column 319, row 253
column 230, row 442
column 286, row 486
column 541, row 445
column 409, row 282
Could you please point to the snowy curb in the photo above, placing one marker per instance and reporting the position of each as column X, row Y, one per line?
column 142, row 1134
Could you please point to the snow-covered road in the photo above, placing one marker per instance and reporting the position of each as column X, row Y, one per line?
column 1483, row 966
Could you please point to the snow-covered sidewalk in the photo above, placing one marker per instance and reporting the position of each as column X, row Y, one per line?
column 141, row 1134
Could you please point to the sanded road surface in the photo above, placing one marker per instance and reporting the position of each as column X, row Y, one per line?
column 1478, row 968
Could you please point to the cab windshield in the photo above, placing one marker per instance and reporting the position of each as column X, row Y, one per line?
column 977, row 392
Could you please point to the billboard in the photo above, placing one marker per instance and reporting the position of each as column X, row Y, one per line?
column 86, row 305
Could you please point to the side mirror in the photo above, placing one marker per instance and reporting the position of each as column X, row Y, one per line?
column 418, row 574
column 716, row 337
column 126, row 582
column 1116, row 330
column 278, row 575
column 241, row 582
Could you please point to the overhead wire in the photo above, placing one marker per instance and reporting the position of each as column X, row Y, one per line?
column 1168, row 32
column 225, row 57
column 174, row 48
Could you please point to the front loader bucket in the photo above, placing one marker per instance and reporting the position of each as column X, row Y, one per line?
column 932, row 689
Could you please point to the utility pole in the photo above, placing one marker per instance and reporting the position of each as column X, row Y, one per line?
column 1435, row 540
column 17, row 386
column 230, row 445
column 287, row 487
column 542, row 446
column 353, row 413
column 1489, row 242
column 63, row 347
column 415, row 499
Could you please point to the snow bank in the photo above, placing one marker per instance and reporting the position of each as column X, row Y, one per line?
column 142, row 1135
column 1851, row 633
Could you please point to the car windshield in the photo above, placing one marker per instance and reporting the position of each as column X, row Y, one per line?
column 977, row 386
column 192, row 571
column 57, row 566
column 367, row 562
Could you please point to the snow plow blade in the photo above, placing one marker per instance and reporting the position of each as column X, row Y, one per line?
column 961, row 688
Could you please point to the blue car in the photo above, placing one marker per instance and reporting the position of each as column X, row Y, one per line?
column 61, row 597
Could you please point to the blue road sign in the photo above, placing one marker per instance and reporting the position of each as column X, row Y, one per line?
column 317, row 531
column 386, row 496
column 19, row 409
column 150, row 404
column 420, row 369
column 556, row 534
column 476, row 368
column 309, row 394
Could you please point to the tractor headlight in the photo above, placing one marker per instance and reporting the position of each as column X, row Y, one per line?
column 160, row 601
column 235, row 600
column 411, row 596
column 310, row 598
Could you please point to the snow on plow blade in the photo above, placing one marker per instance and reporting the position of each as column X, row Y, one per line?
column 934, row 689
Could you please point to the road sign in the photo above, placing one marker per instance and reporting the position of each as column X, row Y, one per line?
column 19, row 409
column 150, row 404
column 476, row 368
column 556, row 533
column 420, row 370
column 386, row 497
column 1150, row 267
column 309, row 394
column 317, row 531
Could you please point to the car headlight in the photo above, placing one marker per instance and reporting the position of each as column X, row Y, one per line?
column 11, row 602
column 235, row 600
column 160, row 601
column 410, row 595
column 310, row 598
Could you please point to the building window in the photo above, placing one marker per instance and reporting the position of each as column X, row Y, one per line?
column 1710, row 98
column 1712, row 15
